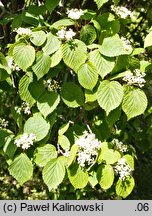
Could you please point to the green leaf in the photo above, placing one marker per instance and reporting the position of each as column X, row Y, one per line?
column 9, row 147
column 88, row 75
column 113, row 116
column 38, row 126
column 100, row 3
column 90, row 96
column 47, row 102
column 51, row 5
column 44, row 154
column 72, row 95
column 129, row 160
column 4, row 134
column 24, row 55
column 74, row 54
column 109, row 95
column 3, row 74
column 37, row 88
column 148, row 40
column 124, row 188
column 42, row 65
column 52, row 44
column 73, row 152
column 21, row 168
column 93, row 179
column 54, row 172
column 56, row 58
column 63, row 128
column 63, row 141
column 78, row 177
column 103, row 64
column 38, row 38
column 62, row 22
column 105, row 176
column 134, row 102
column 116, row 2
column 88, row 34
column 110, row 156
column 112, row 46
column 24, row 90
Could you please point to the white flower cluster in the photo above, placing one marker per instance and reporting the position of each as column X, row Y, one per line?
column 12, row 65
column 66, row 34
column 119, row 145
column 88, row 149
column 25, row 141
column 25, row 108
column 3, row 123
column 51, row 85
column 135, row 78
column 121, row 11
column 122, row 169
column 23, row 31
column 127, row 44
column 75, row 13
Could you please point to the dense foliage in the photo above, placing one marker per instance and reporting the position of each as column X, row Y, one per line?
column 76, row 106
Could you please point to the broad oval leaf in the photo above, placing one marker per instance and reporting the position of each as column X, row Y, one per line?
column 52, row 44
column 51, row 5
column 54, row 172
column 103, row 64
column 74, row 54
column 47, row 102
column 44, row 154
column 110, row 156
column 38, row 38
column 62, row 22
column 112, row 46
column 64, row 142
column 56, row 57
column 21, row 168
column 38, row 126
column 88, row 75
column 24, row 55
column 109, row 95
column 42, row 65
column 129, row 160
column 100, row 3
column 78, row 177
column 24, row 90
column 88, row 34
column 105, row 176
column 72, row 95
column 134, row 102
column 63, row 128
column 148, row 40
column 124, row 188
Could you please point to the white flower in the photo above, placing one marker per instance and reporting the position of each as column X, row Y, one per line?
column 66, row 34
column 3, row 123
column 26, row 108
column 18, row 109
column 135, row 78
column 25, row 140
column 23, row 31
column 122, row 169
column 70, row 34
column 127, row 44
column 121, row 11
column 12, row 65
column 61, row 3
column 75, row 13
column 119, row 145
column 88, row 149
